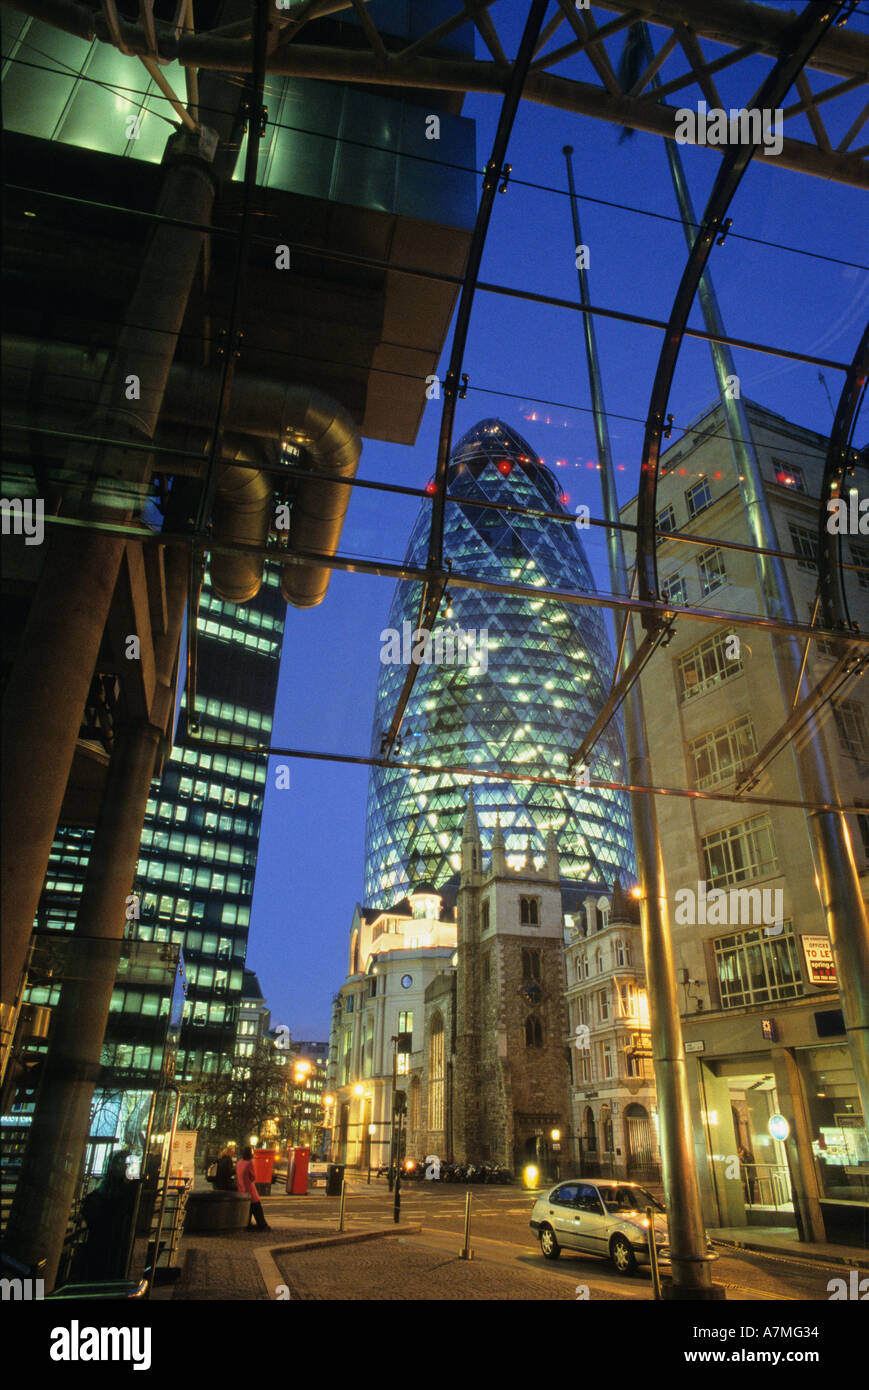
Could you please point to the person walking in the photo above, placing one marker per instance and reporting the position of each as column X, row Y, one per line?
column 246, row 1184
column 224, row 1176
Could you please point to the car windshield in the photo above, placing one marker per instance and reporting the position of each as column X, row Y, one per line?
column 628, row 1199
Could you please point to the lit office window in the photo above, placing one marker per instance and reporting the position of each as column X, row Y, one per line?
column 740, row 852
column 721, row 753
column 753, row 968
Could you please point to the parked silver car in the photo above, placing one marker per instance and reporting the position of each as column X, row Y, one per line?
column 601, row 1217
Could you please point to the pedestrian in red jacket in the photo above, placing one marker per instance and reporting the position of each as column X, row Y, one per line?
column 246, row 1184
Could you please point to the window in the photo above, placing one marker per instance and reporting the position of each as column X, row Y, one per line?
column 712, row 572
column 707, row 665
column 607, row 1059
column 529, row 912
column 860, row 556
column 756, row 969
column 698, row 497
column 674, row 589
column 863, row 827
column 739, row 852
column 484, row 917
column 436, row 1075
column 623, row 953
column 603, row 1005
column 788, row 475
column 805, row 543
column 530, row 965
column 722, row 752
column 852, row 728
column 583, row 1009
column 666, row 519
column 533, row 1032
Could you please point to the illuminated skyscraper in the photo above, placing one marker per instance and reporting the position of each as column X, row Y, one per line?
column 525, row 704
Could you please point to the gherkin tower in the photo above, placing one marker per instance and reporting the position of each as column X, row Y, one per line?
column 524, row 706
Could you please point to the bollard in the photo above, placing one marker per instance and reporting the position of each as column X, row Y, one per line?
column 653, row 1255
column 341, row 1207
column 466, row 1253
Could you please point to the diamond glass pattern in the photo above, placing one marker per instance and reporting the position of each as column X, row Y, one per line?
column 548, row 669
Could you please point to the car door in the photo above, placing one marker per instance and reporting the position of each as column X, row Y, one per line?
column 590, row 1222
column 563, row 1212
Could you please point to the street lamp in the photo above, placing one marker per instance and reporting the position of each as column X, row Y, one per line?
column 555, row 1136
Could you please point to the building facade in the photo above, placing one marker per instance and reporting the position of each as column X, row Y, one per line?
column 780, row 1135
column 377, row 1035
column 484, row 1017
column 613, row 1103
column 528, row 702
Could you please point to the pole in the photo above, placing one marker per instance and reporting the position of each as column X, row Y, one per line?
column 653, row 1254
column 341, row 1205
column 152, row 1271
column 692, row 1277
column 466, row 1253
column 837, row 878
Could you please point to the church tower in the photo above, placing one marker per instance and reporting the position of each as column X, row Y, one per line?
column 512, row 1076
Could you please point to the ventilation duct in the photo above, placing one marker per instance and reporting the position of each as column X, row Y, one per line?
column 260, row 410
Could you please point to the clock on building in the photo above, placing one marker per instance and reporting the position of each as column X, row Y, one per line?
column 406, row 981
column 531, row 992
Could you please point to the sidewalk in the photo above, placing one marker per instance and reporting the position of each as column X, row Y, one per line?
column 778, row 1240
column 238, row 1265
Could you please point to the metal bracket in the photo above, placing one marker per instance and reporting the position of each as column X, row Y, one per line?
column 235, row 345
column 725, row 228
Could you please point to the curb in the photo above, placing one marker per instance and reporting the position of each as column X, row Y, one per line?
column 346, row 1238
column 785, row 1253
column 273, row 1278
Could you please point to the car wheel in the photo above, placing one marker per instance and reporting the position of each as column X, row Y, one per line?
column 548, row 1244
column 622, row 1255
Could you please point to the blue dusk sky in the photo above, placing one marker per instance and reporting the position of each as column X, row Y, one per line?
column 521, row 357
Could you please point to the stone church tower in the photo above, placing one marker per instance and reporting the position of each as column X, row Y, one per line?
column 512, row 1083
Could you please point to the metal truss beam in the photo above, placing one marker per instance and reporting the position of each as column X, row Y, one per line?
column 435, row 581
column 475, row 773
column 849, row 665
column 755, row 29
column 620, row 687
column 839, row 463
column 798, row 43
column 391, row 569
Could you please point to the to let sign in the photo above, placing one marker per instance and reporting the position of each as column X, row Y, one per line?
column 819, row 960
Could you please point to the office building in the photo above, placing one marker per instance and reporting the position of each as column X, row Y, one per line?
column 525, row 703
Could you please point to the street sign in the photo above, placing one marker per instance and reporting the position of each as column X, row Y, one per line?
column 819, row 960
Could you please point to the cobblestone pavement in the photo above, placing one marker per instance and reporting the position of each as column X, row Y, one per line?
column 222, row 1267
column 399, row 1269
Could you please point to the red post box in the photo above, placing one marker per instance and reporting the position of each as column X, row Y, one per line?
column 297, row 1171
column 263, row 1166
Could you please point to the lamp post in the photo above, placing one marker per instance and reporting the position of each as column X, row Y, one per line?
column 555, row 1136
